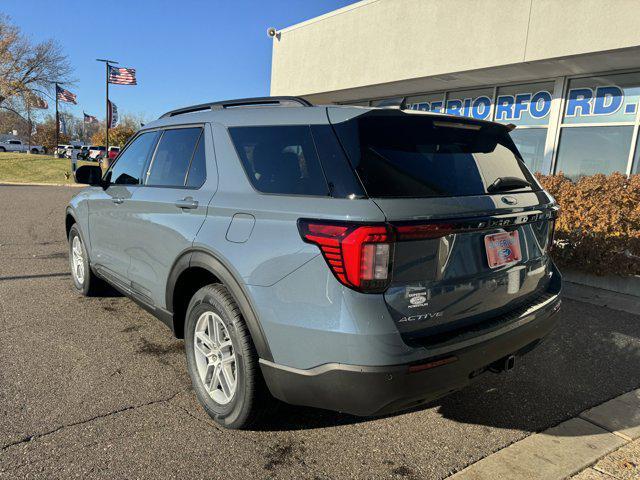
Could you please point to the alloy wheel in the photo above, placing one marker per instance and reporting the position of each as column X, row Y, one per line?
column 77, row 260
column 215, row 357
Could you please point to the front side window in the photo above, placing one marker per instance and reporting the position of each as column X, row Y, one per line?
column 128, row 169
column 280, row 159
column 173, row 156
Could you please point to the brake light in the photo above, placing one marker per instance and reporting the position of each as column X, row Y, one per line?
column 358, row 255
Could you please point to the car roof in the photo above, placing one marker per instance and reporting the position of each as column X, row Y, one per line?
column 248, row 116
column 281, row 111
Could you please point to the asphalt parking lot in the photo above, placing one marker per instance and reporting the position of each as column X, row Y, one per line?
column 96, row 387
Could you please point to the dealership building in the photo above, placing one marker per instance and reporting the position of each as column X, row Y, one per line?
column 566, row 73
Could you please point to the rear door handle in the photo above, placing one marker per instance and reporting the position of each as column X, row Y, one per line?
column 187, row 202
column 117, row 200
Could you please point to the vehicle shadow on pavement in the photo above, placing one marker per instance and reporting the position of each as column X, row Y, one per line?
column 591, row 357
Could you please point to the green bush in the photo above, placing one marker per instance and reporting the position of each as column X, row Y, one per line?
column 598, row 230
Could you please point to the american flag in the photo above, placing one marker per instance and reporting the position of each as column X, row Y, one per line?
column 90, row 118
column 122, row 76
column 65, row 95
column 38, row 102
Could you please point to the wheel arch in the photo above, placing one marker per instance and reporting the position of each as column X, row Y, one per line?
column 69, row 220
column 196, row 268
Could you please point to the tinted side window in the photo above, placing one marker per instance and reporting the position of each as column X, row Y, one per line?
column 197, row 170
column 173, row 156
column 128, row 169
column 280, row 159
column 341, row 178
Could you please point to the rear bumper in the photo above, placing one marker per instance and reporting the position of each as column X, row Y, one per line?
column 367, row 391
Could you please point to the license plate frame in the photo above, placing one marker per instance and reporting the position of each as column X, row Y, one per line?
column 502, row 249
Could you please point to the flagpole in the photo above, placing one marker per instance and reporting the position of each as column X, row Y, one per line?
column 55, row 147
column 106, row 152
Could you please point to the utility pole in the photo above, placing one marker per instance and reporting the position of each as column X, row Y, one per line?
column 107, row 119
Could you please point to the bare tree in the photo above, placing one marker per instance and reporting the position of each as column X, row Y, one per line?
column 27, row 68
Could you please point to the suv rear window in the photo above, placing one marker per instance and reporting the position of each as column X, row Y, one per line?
column 406, row 155
column 280, row 159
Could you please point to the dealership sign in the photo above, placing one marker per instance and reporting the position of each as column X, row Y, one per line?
column 599, row 104
column 522, row 108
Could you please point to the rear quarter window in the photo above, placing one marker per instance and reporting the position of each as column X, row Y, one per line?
column 280, row 159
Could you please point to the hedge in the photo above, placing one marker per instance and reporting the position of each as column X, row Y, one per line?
column 598, row 229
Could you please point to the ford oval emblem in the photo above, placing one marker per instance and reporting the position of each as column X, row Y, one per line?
column 509, row 200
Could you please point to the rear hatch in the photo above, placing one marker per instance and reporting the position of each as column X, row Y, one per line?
column 473, row 226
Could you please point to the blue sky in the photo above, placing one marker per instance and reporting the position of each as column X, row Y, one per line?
column 184, row 51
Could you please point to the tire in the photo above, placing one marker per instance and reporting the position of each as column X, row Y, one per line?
column 2, row 149
column 87, row 283
column 34, row 151
column 214, row 305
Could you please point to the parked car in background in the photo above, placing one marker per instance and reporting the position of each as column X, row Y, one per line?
column 61, row 151
column 83, row 154
column 363, row 260
column 113, row 152
column 73, row 151
column 96, row 152
column 19, row 146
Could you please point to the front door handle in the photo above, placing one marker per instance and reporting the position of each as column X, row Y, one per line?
column 117, row 200
column 187, row 202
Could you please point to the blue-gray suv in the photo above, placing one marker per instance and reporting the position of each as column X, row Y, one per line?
column 364, row 260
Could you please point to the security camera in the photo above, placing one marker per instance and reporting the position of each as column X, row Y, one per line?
column 271, row 32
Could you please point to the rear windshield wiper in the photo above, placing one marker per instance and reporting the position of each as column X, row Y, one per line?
column 503, row 184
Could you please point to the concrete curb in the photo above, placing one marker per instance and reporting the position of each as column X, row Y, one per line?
column 35, row 184
column 567, row 448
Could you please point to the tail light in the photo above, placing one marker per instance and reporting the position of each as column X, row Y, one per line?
column 358, row 255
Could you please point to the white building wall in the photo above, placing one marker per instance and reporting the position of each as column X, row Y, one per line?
column 378, row 48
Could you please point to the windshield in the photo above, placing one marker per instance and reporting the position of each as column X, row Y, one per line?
column 405, row 155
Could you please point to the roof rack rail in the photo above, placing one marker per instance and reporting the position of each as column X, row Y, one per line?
column 242, row 102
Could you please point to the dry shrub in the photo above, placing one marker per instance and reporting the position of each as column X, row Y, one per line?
column 598, row 230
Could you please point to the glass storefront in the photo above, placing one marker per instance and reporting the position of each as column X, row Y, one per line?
column 592, row 134
column 528, row 107
column 589, row 150
column 531, row 142
column 597, row 125
column 433, row 102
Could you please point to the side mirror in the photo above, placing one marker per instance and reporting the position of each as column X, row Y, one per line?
column 89, row 175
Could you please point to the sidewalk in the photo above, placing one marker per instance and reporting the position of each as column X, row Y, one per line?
column 608, row 434
column 622, row 464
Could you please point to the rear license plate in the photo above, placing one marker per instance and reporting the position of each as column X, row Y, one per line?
column 502, row 248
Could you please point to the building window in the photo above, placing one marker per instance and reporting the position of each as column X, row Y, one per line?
column 589, row 150
column 636, row 158
column 433, row 102
column 527, row 106
column 471, row 103
column 603, row 99
column 597, row 125
column 530, row 143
